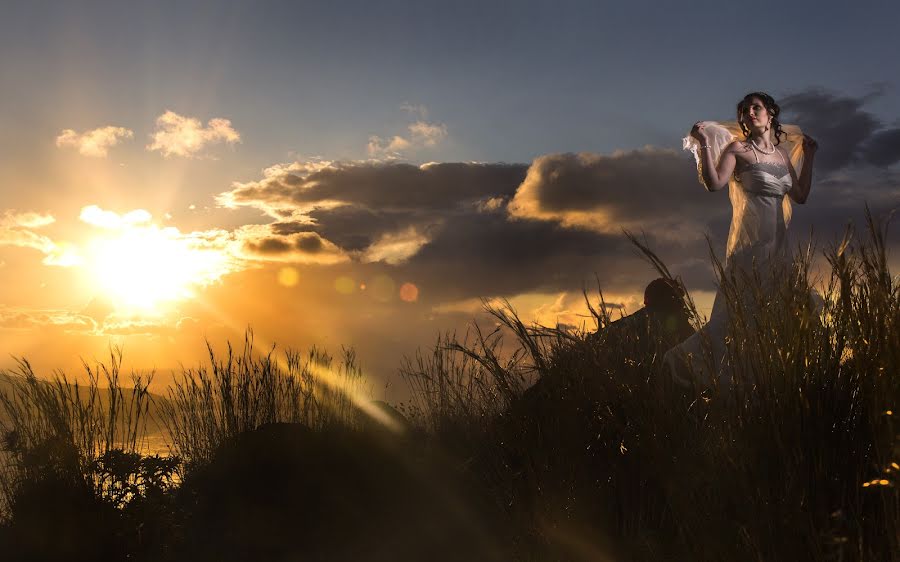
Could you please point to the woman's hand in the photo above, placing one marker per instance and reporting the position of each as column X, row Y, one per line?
column 809, row 145
column 699, row 132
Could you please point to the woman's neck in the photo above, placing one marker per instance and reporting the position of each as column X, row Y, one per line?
column 763, row 139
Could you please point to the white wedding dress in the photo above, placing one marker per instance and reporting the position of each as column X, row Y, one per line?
column 761, row 212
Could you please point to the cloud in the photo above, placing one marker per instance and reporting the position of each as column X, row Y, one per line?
column 17, row 229
column 26, row 239
column 177, row 135
column 95, row 143
column 115, row 326
column 28, row 219
column 647, row 189
column 379, row 147
column 448, row 224
column 427, row 134
column 94, row 215
column 419, row 134
column 16, row 318
column 476, row 254
column 883, row 148
column 396, row 247
column 847, row 134
column 298, row 189
column 265, row 243
column 86, row 322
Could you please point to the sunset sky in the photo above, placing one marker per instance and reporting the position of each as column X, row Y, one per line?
column 362, row 173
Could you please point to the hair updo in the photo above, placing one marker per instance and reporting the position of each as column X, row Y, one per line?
column 771, row 108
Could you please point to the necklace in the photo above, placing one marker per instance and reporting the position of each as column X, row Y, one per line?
column 756, row 146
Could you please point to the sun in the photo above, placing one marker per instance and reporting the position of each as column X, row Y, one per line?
column 143, row 268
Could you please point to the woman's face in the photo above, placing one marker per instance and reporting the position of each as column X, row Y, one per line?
column 754, row 114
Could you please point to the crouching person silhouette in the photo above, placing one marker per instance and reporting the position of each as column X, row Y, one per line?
column 663, row 321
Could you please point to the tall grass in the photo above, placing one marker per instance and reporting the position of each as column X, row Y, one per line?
column 77, row 479
column 792, row 456
column 239, row 392
column 68, row 427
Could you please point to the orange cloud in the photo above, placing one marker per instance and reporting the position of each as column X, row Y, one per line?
column 28, row 319
column 95, row 143
column 17, row 229
column 177, row 135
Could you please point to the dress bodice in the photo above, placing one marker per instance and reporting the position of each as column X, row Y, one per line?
column 766, row 179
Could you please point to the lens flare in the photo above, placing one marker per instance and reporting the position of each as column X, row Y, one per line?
column 409, row 292
column 288, row 276
column 345, row 285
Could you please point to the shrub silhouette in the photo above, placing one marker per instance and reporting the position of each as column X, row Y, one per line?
column 285, row 491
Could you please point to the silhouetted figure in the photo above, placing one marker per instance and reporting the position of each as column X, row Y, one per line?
column 643, row 337
column 661, row 323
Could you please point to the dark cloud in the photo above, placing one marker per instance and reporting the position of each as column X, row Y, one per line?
column 452, row 231
column 485, row 254
column 283, row 243
column 649, row 189
column 842, row 198
column 268, row 246
column 309, row 242
column 883, row 149
column 355, row 228
column 288, row 228
column 839, row 124
column 378, row 185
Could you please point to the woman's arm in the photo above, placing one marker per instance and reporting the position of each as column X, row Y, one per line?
column 715, row 174
column 802, row 185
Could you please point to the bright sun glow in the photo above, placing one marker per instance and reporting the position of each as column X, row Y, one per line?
column 142, row 267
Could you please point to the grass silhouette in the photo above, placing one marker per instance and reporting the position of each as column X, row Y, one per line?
column 525, row 443
column 794, row 459
column 208, row 406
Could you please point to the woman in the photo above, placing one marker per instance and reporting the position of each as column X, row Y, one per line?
column 760, row 172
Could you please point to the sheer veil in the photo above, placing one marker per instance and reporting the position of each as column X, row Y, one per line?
column 721, row 135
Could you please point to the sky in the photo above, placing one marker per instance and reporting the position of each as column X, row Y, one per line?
column 363, row 174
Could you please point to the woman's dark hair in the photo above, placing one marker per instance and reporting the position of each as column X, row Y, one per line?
column 771, row 107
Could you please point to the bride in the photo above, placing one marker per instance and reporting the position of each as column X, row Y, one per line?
column 760, row 172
